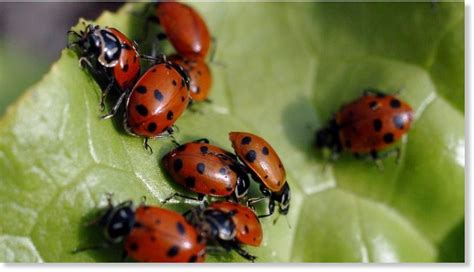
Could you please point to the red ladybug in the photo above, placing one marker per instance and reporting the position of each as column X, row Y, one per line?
column 367, row 125
column 158, row 99
column 111, row 55
column 200, row 76
column 248, row 228
column 199, row 167
column 151, row 234
column 263, row 163
column 218, row 227
column 185, row 28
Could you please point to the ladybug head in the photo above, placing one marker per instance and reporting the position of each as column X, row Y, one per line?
column 328, row 136
column 284, row 199
column 212, row 224
column 88, row 41
column 117, row 221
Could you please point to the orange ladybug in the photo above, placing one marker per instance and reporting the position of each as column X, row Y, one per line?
column 158, row 99
column 151, row 234
column 261, row 160
column 185, row 28
column 109, row 54
column 367, row 125
column 204, row 169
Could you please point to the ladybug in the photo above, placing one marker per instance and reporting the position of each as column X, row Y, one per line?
column 109, row 54
column 151, row 234
column 185, row 29
column 200, row 76
column 198, row 167
column 263, row 163
column 156, row 101
column 218, row 227
column 367, row 125
column 248, row 228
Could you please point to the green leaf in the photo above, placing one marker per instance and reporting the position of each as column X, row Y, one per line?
column 288, row 68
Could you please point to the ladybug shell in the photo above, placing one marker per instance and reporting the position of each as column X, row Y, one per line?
column 195, row 166
column 161, row 235
column 158, row 99
column 185, row 29
column 200, row 74
column 248, row 228
column 373, row 122
column 260, row 157
column 127, row 70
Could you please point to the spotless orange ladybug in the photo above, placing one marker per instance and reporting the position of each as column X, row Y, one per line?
column 200, row 77
column 185, row 29
column 195, row 166
column 150, row 234
column 109, row 55
column 265, row 166
column 157, row 101
column 226, row 229
column 367, row 125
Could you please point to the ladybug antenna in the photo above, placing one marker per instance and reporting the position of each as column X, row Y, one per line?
column 288, row 222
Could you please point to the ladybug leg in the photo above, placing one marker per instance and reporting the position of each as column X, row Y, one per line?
column 146, row 146
column 207, row 100
column 243, row 252
column 271, row 209
column 199, row 198
column 115, row 107
column 105, row 93
column 376, row 158
column 214, row 49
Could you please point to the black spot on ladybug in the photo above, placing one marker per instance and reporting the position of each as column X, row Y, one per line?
column 151, row 127
column 125, row 68
column 135, row 59
column 153, row 238
column 174, row 82
column 177, row 165
column 190, row 182
column 228, row 189
column 265, row 177
column 348, row 144
column 192, row 259
column 133, row 246
column 181, row 147
column 153, row 71
column 251, row 156
column 142, row 110
column 395, row 103
column 388, row 138
column 199, row 72
column 158, row 95
column 246, row 140
column 265, row 150
column 203, row 149
column 182, row 98
column 280, row 166
column 377, row 125
column 180, row 228
column 279, row 182
column 223, row 171
column 247, row 215
column 146, row 208
column 170, row 115
column 168, row 66
column 373, row 105
column 200, row 167
column 213, row 191
column 137, row 225
column 246, row 229
column 172, row 251
column 141, row 89
column 398, row 121
column 157, row 221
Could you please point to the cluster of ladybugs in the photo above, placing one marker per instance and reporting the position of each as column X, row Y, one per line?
column 154, row 101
